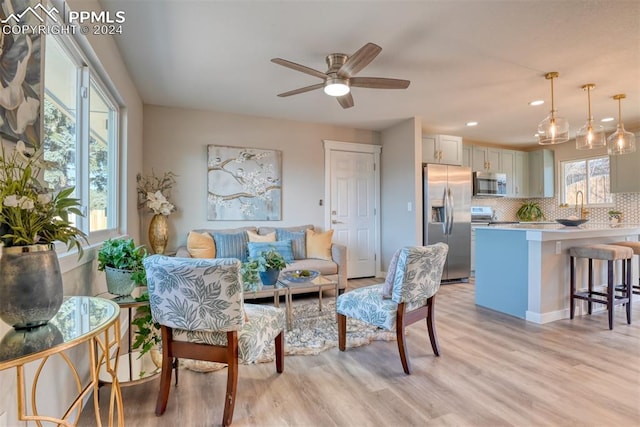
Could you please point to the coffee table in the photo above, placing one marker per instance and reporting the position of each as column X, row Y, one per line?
column 316, row 285
column 268, row 291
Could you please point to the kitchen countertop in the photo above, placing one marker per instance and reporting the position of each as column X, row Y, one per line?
column 555, row 231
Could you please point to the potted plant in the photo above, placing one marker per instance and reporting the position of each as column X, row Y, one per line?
column 530, row 211
column 615, row 217
column 121, row 260
column 267, row 265
column 32, row 217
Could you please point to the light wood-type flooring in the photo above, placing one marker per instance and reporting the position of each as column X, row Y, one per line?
column 494, row 370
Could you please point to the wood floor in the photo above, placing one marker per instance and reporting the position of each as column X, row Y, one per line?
column 494, row 370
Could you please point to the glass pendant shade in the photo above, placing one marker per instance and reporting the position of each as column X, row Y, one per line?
column 621, row 141
column 590, row 135
column 553, row 129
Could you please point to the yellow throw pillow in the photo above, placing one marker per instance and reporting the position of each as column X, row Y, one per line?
column 319, row 244
column 201, row 245
column 255, row 237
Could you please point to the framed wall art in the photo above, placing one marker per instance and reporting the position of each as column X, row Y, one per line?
column 20, row 74
column 244, row 183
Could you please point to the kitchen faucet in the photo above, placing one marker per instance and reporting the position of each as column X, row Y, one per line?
column 583, row 211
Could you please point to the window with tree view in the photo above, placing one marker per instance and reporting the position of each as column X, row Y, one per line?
column 591, row 176
column 80, row 128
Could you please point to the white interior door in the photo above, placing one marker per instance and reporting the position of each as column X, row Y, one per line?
column 352, row 209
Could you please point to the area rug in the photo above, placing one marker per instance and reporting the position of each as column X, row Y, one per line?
column 312, row 332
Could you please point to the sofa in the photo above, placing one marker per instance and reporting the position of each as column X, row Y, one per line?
column 330, row 259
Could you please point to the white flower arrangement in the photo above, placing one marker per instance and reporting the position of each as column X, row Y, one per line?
column 159, row 204
column 154, row 192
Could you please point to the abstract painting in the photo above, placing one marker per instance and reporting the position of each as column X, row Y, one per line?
column 243, row 183
column 20, row 76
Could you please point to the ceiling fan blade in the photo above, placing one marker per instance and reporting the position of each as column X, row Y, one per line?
column 299, row 67
column 301, row 90
column 345, row 100
column 379, row 83
column 359, row 60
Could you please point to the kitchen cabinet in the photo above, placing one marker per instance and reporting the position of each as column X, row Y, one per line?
column 521, row 174
column 541, row 174
column 443, row 149
column 466, row 155
column 507, row 166
column 625, row 173
column 486, row 159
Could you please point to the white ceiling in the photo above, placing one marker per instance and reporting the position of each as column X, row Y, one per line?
column 476, row 60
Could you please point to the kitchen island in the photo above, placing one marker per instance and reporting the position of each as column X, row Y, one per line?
column 523, row 269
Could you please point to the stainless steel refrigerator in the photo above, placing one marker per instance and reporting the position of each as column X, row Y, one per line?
column 447, row 215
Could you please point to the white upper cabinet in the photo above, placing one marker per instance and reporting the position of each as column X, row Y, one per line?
column 486, row 159
column 466, row 155
column 521, row 174
column 625, row 172
column 442, row 149
column 541, row 173
column 507, row 166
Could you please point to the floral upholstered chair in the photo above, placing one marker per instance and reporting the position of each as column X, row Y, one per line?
column 407, row 296
column 199, row 305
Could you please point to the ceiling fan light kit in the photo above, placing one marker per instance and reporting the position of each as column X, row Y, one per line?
column 621, row 141
column 339, row 77
column 591, row 135
column 335, row 86
column 553, row 129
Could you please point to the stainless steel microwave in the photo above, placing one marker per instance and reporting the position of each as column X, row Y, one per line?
column 489, row 184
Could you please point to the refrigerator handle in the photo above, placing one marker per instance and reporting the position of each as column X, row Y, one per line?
column 445, row 204
column 451, row 211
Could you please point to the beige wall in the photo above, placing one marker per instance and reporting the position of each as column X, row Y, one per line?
column 56, row 386
column 176, row 140
column 401, row 183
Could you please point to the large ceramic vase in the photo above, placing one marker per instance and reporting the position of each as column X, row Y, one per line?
column 30, row 285
column 269, row 277
column 158, row 233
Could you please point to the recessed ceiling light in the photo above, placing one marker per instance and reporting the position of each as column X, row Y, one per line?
column 471, row 123
column 536, row 102
column 607, row 119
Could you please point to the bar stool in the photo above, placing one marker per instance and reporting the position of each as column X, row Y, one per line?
column 609, row 253
column 635, row 246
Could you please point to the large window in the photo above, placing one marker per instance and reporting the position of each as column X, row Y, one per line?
column 80, row 136
column 589, row 176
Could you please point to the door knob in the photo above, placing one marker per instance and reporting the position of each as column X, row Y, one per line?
column 336, row 222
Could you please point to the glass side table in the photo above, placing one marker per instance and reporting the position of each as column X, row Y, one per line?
column 316, row 285
column 132, row 368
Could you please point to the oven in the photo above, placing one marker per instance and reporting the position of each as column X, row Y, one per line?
column 489, row 184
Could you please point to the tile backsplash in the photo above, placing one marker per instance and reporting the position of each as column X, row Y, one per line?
column 506, row 208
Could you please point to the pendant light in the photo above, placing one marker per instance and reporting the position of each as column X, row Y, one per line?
column 590, row 135
column 621, row 141
column 553, row 130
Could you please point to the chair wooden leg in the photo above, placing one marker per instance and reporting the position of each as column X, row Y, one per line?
column 431, row 326
column 342, row 331
column 279, row 344
column 232, row 378
column 402, row 344
column 165, row 374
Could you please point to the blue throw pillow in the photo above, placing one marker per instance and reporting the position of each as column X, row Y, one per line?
column 231, row 245
column 298, row 241
column 283, row 247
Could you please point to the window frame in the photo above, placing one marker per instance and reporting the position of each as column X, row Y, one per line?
column 90, row 73
column 563, row 187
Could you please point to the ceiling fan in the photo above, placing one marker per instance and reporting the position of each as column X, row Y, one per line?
column 339, row 78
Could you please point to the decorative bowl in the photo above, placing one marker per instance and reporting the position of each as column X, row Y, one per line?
column 571, row 222
column 300, row 276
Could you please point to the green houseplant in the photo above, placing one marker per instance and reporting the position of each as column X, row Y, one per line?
column 530, row 211
column 32, row 217
column 266, row 265
column 121, row 260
